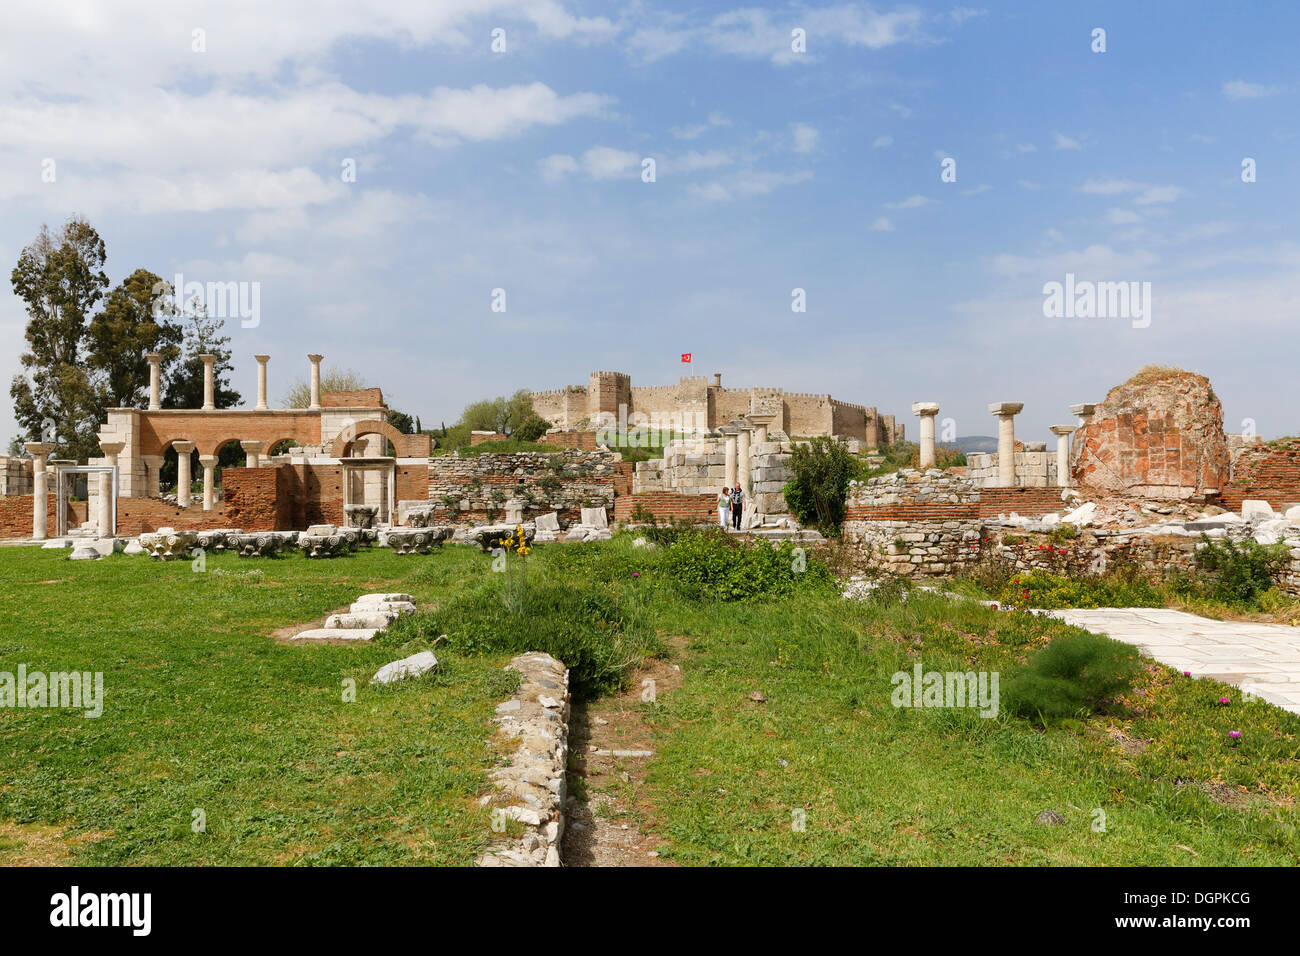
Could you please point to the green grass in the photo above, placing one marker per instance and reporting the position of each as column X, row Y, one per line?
column 204, row 710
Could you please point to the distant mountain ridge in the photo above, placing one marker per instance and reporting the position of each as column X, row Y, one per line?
column 972, row 443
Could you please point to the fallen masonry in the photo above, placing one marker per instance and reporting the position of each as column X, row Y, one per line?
column 369, row 616
column 531, row 788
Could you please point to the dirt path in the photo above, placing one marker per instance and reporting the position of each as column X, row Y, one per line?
column 609, row 822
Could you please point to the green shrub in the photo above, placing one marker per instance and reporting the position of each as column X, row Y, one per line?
column 531, row 428
column 596, row 629
column 1240, row 573
column 709, row 563
column 1044, row 589
column 1071, row 677
column 822, row 471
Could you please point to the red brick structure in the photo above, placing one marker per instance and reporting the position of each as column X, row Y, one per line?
column 1159, row 435
column 666, row 506
column 1268, row 472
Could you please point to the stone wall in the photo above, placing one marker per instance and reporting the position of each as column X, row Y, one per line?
column 585, row 441
column 913, row 523
column 698, row 466
column 1034, row 469
column 586, row 479
column 15, row 475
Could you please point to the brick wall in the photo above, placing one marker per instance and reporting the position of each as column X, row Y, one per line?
column 251, row 499
column 1028, row 502
column 583, row 440
column 357, row 398
column 478, row 438
column 1266, row 473
column 137, row 515
column 666, row 505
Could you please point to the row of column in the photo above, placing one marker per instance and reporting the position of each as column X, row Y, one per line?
column 739, row 438
column 252, row 450
column 209, row 381
column 1006, row 413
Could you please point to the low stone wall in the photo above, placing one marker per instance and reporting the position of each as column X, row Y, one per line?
column 585, row 479
column 531, row 788
column 1026, row 502
column 15, row 475
column 698, row 466
column 914, row 522
column 586, row 441
column 1034, row 469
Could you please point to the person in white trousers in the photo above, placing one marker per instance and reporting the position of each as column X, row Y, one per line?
column 724, row 507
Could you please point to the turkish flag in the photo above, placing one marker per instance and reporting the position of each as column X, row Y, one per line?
column 686, row 356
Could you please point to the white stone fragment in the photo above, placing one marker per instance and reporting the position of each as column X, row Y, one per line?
column 412, row 666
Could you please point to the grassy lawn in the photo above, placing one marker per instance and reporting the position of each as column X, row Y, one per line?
column 205, row 710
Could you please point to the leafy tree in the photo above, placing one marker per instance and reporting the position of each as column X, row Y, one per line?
column 202, row 337
column 119, row 337
column 531, row 428
column 333, row 379
column 59, row 278
column 500, row 414
column 822, row 471
column 403, row 422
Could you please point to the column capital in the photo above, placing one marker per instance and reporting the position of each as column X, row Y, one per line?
column 262, row 358
column 207, row 358
column 183, row 447
column 112, row 449
column 39, row 449
column 314, row 358
column 153, row 357
column 925, row 408
column 1083, row 409
column 252, row 446
column 1006, row 408
column 208, row 461
column 1061, row 430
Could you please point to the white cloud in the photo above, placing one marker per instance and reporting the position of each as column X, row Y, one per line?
column 1026, row 148
column 555, row 167
column 1241, row 90
column 1158, row 194
column 746, row 183
column 882, row 225
column 1094, row 261
column 604, row 162
column 1122, row 217
column 805, row 138
column 882, row 141
column 1110, row 187
column 1061, row 141
column 911, row 202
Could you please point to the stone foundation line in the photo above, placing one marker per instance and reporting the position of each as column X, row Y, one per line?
column 532, row 787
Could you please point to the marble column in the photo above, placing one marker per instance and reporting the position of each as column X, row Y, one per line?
column 1062, row 433
column 926, row 411
column 261, row 380
column 730, row 476
column 209, row 463
column 111, row 450
column 183, row 477
column 1006, row 413
column 742, row 460
column 315, row 379
column 209, row 382
column 153, row 469
column 155, row 380
column 253, row 450
column 1083, row 411
column 40, row 451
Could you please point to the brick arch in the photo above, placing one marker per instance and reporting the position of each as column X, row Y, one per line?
column 210, row 430
column 406, row 446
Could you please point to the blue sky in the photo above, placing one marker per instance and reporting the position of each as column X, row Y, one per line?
column 775, row 170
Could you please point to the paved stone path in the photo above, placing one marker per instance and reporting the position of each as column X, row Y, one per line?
column 1261, row 659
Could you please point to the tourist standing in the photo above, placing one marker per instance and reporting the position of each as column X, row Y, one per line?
column 737, row 506
column 724, row 507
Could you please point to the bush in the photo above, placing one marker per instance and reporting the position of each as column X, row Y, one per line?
column 531, row 428
column 707, row 562
column 1043, row 589
column 1071, row 677
column 822, row 471
column 1240, row 574
column 595, row 629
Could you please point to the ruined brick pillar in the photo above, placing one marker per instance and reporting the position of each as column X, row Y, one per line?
column 926, row 411
column 40, row 451
column 1006, row 413
column 183, row 477
column 1063, row 433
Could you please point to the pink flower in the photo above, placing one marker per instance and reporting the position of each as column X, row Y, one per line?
column 1187, row 673
column 1234, row 734
column 1224, row 700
